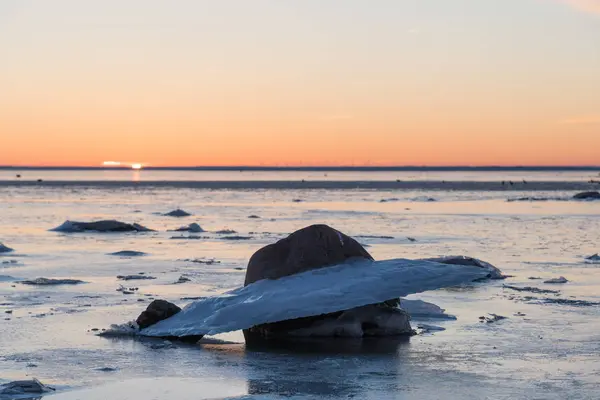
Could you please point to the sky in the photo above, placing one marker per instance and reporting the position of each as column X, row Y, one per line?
column 303, row 82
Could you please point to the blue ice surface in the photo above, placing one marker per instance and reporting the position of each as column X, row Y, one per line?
column 314, row 292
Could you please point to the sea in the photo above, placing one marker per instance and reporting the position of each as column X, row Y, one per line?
column 525, row 222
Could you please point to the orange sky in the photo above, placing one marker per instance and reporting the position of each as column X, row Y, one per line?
column 300, row 83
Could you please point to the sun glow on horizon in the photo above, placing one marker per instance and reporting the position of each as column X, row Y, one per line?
column 84, row 82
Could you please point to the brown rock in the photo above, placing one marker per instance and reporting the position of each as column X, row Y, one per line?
column 313, row 247
column 157, row 311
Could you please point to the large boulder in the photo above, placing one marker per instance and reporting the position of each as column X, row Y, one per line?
column 587, row 195
column 315, row 247
column 100, row 226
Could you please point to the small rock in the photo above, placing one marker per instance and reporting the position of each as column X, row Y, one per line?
column 494, row 318
column 531, row 289
column 157, row 311
column 100, row 226
column 593, row 195
column 134, row 277
column 178, row 213
column 24, row 387
column 48, row 281
column 236, row 237
column 561, row 279
column 128, row 253
column 4, row 249
column 8, row 312
column 182, row 279
column 253, row 217
column 226, row 232
column 106, row 369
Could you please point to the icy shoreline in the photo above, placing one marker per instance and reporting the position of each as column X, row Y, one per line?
column 332, row 185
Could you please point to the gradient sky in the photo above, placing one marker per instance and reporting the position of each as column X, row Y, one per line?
column 304, row 82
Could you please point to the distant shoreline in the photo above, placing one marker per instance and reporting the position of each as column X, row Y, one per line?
column 313, row 185
column 315, row 168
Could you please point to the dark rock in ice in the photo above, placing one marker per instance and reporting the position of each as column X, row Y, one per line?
column 107, row 369
column 594, row 257
column 253, row 217
column 393, row 199
column 561, row 279
column 189, row 237
column 374, row 237
column 134, row 277
column 570, row 302
column 128, row 253
column 424, row 198
column 4, row 249
column 236, row 237
column 534, row 278
column 177, row 213
column 593, row 195
column 157, row 311
column 100, row 226
column 297, row 200
column 495, row 273
column 492, row 318
column 31, row 386
column 182, row 279
column 193, row 228
column 226, row 232
column 411, row 239
column 126, row 290
column 316, row 247
column 530, row 289
column 426, row 328
column 208, row 261
column 49, row 281
column 533, row 198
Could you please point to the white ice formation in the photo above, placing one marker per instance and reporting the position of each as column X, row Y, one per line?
column 316, row 292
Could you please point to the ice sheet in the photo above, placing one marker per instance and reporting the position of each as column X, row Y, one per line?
column 314, row 292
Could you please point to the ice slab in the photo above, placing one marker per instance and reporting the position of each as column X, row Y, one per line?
column 315, row 292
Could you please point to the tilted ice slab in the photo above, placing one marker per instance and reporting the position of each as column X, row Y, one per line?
column 315, row 292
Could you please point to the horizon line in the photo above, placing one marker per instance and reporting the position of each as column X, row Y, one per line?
column 311, row 168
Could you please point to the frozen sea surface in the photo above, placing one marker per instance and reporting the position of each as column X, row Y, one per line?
column 546, row 348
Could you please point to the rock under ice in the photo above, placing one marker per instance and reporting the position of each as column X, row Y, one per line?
column 4, row 249
column 327, row 290
column 99, row 226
